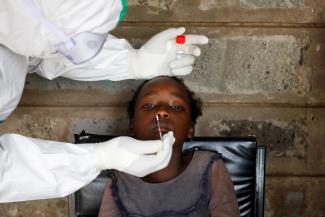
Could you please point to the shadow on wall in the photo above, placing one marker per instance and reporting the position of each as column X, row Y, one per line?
column 282, row 139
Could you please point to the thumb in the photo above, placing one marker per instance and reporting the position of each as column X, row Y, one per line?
column 169, row 139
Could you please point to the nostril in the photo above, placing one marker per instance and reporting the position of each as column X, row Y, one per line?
column 162, row 115
column 162, row 112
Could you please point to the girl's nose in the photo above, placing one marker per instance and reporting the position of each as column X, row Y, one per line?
column 162, row 112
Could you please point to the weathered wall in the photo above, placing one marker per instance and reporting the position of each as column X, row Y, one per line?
column 261, row 74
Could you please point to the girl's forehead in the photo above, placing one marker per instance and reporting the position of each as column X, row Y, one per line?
column 164, row 84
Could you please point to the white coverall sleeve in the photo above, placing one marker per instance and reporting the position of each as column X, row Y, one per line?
column 110, row 64
column 34, row 169
column 19, row 29
column 13, row 70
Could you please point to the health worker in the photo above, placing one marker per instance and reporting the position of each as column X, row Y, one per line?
column 70, row 38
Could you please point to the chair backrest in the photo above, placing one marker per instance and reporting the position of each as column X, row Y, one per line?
column 244, row 160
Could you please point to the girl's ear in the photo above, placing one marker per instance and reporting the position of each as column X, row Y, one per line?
column 131, row 128
column 190, row 133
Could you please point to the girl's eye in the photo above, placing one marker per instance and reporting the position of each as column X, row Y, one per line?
column 148, row 106
column 177, row 108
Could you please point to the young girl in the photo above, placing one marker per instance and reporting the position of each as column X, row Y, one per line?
column 194, row 184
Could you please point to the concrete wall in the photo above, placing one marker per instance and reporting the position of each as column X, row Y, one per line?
column 261, row 74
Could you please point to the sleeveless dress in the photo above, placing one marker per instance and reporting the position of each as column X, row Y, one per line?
column 186, row 195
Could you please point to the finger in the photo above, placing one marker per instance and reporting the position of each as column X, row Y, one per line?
column 168, row 34
column 192, row 50
column 150, row 146
column 182, row 71
column 164, row 155
column 167, row 149
column 196, row 39
column 169, row 138
column 166, row 160
column 185, row 61
column 155, row 162
column 147, row 147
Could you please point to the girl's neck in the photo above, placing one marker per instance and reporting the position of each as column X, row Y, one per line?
column 178, row 163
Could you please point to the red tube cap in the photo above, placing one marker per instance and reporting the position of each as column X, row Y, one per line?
column 180, row 39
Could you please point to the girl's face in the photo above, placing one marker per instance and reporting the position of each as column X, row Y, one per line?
column 169, row 99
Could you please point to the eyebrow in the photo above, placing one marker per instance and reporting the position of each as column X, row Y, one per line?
column 175, row 94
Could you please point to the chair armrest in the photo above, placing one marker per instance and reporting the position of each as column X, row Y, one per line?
column 260, row 180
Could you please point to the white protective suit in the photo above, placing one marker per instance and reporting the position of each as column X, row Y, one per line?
column 33, row 169
column 70, row 38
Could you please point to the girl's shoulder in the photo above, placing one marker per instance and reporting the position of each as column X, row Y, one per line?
column 208, row 157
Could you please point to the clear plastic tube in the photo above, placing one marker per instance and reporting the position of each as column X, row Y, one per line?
column 180, row 39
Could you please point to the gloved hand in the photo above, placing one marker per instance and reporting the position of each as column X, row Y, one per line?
column 138, row 158
column 158, row 55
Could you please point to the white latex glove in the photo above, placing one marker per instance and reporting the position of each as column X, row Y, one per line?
column 136, row 157
column 157, row 56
